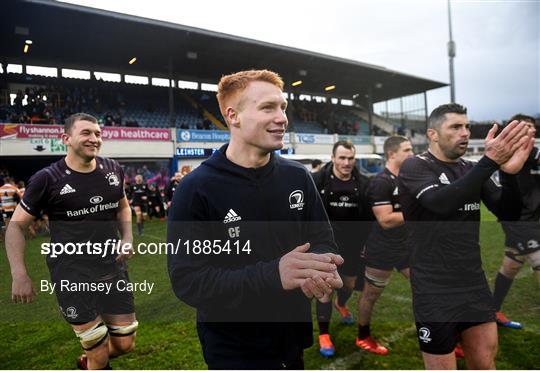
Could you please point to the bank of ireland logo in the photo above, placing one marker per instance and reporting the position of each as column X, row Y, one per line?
column 96, row 200
column 424, row 334
column 344, row 198
column 113, row 180
column 296, row 200
column 185, row 135
column 71, row 312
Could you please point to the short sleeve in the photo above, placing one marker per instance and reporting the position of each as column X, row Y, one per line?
column 122, row 178
column 380, row 191
column 35, row 196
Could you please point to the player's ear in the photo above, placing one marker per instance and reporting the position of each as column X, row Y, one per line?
column 432, row 135
column 231, row 117
column 65, row 138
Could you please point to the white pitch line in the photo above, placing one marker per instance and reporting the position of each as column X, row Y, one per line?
column 345, row 363
column 401, row 298
column 399, row 334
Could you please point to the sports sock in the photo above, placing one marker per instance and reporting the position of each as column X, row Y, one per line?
column 363, row 331
column 342, row 296
column 324, row 313
column 324, row 328
column 502, row 285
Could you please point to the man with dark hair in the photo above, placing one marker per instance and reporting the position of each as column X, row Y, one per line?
column 316, row 165
column 523, row 236
column 388, row 244
column 440, row 195
column 272, row 247
column 83, row 196
column 343, row 191
column 81, row 116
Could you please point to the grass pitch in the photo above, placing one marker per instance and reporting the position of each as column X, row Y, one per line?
column 34, row 336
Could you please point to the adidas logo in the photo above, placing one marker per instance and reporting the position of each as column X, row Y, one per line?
column 67, row 189
column 231, row 217
column 396, row 192
column 444, row 179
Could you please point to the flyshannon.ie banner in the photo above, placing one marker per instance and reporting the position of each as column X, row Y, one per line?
column 25, row 131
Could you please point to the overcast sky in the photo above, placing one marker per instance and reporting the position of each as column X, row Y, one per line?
column 498, row 42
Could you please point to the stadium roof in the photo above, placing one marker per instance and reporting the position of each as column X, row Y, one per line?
column 72, row 36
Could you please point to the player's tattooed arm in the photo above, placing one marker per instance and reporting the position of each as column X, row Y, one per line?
column 22, row 290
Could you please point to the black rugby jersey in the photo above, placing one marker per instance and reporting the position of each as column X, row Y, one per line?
column 154, row 197
column 344, row 212
column 81, row 206
column 171, row 188
column 343, row 200
column 529, row 185
column 137, row 192
column 445, row 233
column 383, row 190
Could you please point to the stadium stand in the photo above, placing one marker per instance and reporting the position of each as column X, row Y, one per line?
column 48, row 100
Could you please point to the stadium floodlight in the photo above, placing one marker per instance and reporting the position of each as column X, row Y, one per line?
column 330, row 87
column 134, row 79
column 75, row 74
column 28, row 42
column 296, row 83
column 133, row 60
column 14, row 68
column 42, row 71
column 106, row 76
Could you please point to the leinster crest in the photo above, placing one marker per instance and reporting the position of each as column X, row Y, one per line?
column 113, row 180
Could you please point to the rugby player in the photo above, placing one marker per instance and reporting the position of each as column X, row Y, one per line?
column 388, row 244
column 139, row 201
column 9, row 197
column 343, row 191
column 83, row 195
column 155, row 202
column 316, row 165
column 440, row 196
column 523, row 236
column 171, row 187
column 253, row 307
